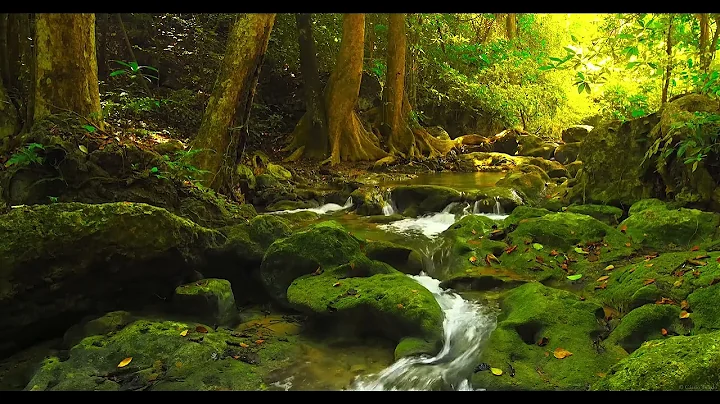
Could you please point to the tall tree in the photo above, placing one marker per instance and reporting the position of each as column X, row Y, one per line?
column 403, row 133
column 668, row 65
column 349, row 140
column 220, row 138
column 9, row 123
column 510, row 26
column 66, row 67
column 704, row 38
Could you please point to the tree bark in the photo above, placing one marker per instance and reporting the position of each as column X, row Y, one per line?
column 9, row 123
column 317, row 141
column 4, row 60
column 668, row 66
column 370, row 40
column 713, row 44
column 66, row 66
column 231, row 99
column 510, row 26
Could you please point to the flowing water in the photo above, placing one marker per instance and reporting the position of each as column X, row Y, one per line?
column 467, row 323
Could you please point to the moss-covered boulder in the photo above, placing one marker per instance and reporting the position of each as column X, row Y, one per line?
column 209, row 301
column 108, row 323
column 531, row 181
column 573, row 168
column 165, row 355
column 386, row 303
column 575, row 133
column 320, row 247
column 416, row 200
column 402, row 258
column 612, row 155
column 62, row 261
column 279, row 172
column 567, row 153
column 464, row 246
column 210, row 209
column 604, row 213
column 291, row 205
column 522, row 213
column 544, row 150
column 368, row 201
column 705, row 307
column 646, row 323
column 265, row 229
column 661, row 227
column 485, row 200
column 536, row 324
column 676, row 363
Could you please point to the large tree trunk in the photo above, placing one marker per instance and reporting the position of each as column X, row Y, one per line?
column 311, row 132
column 510, row 26
column 713, row 44
column 231, row 99
column 349, row 140
column 9, row 122
column 404, row 136
column 66, row 67
column 668, row 66
column 19, row 64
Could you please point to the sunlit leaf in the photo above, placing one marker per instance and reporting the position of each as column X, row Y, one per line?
column 124, row 362
column 574, row 277
column 184, row 333
column 537, row 246
column 561, row 353
column 602, row 278
column 496, row 371
column 83, row 149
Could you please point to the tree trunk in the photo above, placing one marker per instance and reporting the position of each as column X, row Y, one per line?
column 404, row 135
column 312, row 131
column 19, row 62
column 103, row 30
column 668, row 66
column 9, row 123
column 232, row 97
column 713, row 44
column 66, row 67
column 510, row 26
column 4, row 60
column 349, row 140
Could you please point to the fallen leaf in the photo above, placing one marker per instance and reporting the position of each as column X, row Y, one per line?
column 663, row 332
column 623, row 228
column 696, row 273
column 684, row 305
column 648, row 281
column 539, row 259
column 580, row 251
column 582, row 298
column 684, row 314
column 601, row 286
column 600, row 374
column 714, row 281
column 496, row 371
column 561, row 353
column 400, row 306
column 178, row 364
column 244, row 345
column 678, row 283
column 564, row 266
column 701, row 257
column 201, row 329
column 574, row 277
column 236, row 357
column 632, row 269
column 718, row 260
column 318, row 271
column 491, row 257
column 610, row 267
column 664, row 300
column 83, row 149
column 336, row 284
column 414, row 291
column 543, row 341
column 124, row 362
column 627, row 244
column 695, row 248
column 510, row 249
column 553, row 253
column 651, row 256
column 473, row 231
column 697, row 263
column 260, row 341
column 547, row 353
column 184, row 333
column 602, row 278
column 473, row 259
column 537, row 246
column 648, row 265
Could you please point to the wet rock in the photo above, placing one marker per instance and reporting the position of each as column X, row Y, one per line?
column 210, row 301
column 604, row 213
column 486, row 199
column 170, row 147
column 655, row 225
column 675, row 363
column 545, row 150
column 575, row 133
column 416, row 200
column 291, row 205
column 531, row 181
column 506, row 142
column 368, row 201
column 265, row 229
column 567, row 153
column 646, row 323
column 111, row 322
column 411, row 346
column 66, row 260
column 279, row 172
column 438, row 132
column 207, row 208
column 530, row 313
column 472, row 140
column 485, row 161
column 404, row 259
column 246, row 178
column 385, row 219
column 524, row 212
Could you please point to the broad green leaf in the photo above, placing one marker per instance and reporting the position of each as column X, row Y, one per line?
column 537, row 246
column 134, row 65
column 121, row 63
column 117, row 73
column 89, row 128
column 587, row 88
column 574, row 277
column 580, row 251
column 83, row 149
column 581, row 87
column 154, row 170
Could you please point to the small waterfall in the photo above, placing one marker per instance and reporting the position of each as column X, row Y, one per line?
column 497, row 209
column 327, row 208
column 476, row 207
column 389, row 207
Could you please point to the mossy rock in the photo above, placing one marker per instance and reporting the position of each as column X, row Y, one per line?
column 411, row 346
column 110, row 322
column 264, row 181
column 164, row 359
column 705, row 306
column 646, row 323
column 416, row 200
column 531, row 183
column 576, row 133
column 388, row 304
column 522, row 213
column 669, row 275
column 210, row 209
column 368, row 201
column 116, row 250
column 209, row 301
column 545, row 151
column 573, row 168
column 170, row 147
column 322, row 246
column 404, row 259
column 531, row 312
column 486, row 199
column 291, row 205
column 567, row 153
column 265, row 229
column 382, row 219
column 279, row 172
column 610, row 215
column 245, row 176
column 645, row 204
column 659, row 227
column 675, row 363
column 464, row 240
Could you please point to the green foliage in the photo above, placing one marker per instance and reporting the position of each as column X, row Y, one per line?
column 133, row 70
column 179, row 165
column 619, row 103
column 26, row 156
column 703, row 133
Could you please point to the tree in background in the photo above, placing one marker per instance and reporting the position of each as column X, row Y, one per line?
column 223, row 130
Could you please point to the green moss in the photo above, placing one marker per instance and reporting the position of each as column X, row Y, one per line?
column 402, row 258
column 211, row 300
column 279, row 172
column 466, row 239
column 421, row 199
column 322, row 246
column 385, row 219
column 368, row 201
column 265, row 229
column 705, row 307
column 659, row 227
column 392, row 305
column 645, row 204
column 110, row 322
column 645, row 323
column 299, row 218
column 488, row 197
column 531, row 312
column 412, row 346
column 291, row 205
column 531, row 183
column 266, row 181
column 609, row 215
column 210, row 209
column 676, row 363
column 524, row 212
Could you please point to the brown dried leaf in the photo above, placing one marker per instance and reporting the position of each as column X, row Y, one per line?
column 695, row 248
column 473, row 259
column 714, row 281
column 665, row 300
column 473, row 231
column 510, row 249
column 400, row 306
column 260, row 341
column 561, row 353
column 627, row 244
column 554, row 253
column 623, row 228
column 201, row 329
column 697, row 263
column 648, row 281
column 540, row 259
column 602, row 278
column 701, row 257
column 663, row 332
column 684, row 314
column 684, row 305
column 601, row 286
column 244, row 345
